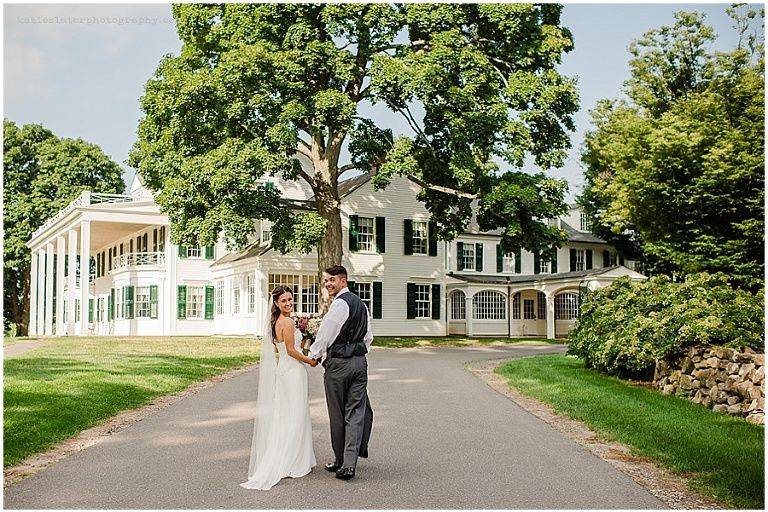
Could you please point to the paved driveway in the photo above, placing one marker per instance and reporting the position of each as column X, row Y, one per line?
column 441, row 439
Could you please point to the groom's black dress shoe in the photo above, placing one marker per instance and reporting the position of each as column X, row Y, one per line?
column 333, row 467
column 345, row 473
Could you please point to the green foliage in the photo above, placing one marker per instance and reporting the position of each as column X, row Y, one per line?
column 624, row 327
column 42, row 174
column 676, row 174
column 258, row 86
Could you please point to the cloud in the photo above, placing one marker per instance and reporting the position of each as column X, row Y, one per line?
column 24, row 73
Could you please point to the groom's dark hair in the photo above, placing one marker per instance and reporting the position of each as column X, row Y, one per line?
column 336, row 270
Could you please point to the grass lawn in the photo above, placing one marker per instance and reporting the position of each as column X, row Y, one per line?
column 453, row 341
column 71, row 384
column 721, row 455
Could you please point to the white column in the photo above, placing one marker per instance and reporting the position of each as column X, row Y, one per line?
column 33, row 291
column 61, row 322
column 85, row 267
column 551, row 316
column 48, row 326
column 171, row 287
column 40, row 292
column 71, row 280
column 468, row 311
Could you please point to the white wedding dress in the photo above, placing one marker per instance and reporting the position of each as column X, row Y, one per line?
column 282, row 438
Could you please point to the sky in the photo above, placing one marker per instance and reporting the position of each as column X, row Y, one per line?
column 80, row 69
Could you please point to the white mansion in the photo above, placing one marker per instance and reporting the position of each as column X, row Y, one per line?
column 141, row 284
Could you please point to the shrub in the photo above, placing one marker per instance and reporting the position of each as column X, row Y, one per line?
column 624, row 327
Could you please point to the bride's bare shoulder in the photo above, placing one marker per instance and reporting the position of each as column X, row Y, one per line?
column 284, row 324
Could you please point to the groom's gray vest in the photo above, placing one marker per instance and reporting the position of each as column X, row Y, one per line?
column 350, row 341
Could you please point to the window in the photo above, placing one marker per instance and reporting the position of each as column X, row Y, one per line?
column 364, row 291
column 161, row 240
column 541, row 302
column 220, row 297
column 584, row 218
column 365, row 234
column 613, row 259
column 266, row 236
column 508, row 262
column 100, row 309
column 420, row 239
column 544, row 267
column 528, row 309
column 581, row 258
column 194, row 252
column 195, row 301
column 469, row 256
column 566, row 306
column 77, row 310
column 236, row 299
column 516, row 306
column 309, row 295
column 251, row 282
column 489, row 305
column 458, row 306
column 422, row 301
column 142, row 302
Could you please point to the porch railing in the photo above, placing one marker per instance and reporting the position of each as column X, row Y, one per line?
column 86, row 198
column 139, row 259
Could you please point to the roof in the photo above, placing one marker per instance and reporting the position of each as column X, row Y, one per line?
column 256, row 248
column 575, row 235
column 486, row 279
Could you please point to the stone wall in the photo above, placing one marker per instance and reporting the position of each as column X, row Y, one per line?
column 723, row 379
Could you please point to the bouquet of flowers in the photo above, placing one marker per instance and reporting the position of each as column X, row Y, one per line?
column 308, row 324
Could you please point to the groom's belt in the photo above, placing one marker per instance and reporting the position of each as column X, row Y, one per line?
column 347, row 349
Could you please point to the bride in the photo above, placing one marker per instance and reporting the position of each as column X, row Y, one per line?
column 282, row 432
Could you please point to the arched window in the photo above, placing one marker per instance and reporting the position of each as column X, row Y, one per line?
column 458, row 305
column 566, row 306
column 489, row 305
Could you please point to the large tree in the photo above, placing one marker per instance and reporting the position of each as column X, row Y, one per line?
column 676, row 171
column 257, row 87
column 42, row 174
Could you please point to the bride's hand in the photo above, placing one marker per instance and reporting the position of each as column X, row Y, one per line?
column 313, row 362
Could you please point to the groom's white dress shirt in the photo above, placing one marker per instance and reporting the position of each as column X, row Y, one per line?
column 331, row 325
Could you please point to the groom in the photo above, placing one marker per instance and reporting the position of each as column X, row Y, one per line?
column 343, row 339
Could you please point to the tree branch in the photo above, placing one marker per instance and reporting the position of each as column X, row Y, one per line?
column 440, row 188
column 348, row 167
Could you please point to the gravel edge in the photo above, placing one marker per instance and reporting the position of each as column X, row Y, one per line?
column 670, row 488
column 94, row 435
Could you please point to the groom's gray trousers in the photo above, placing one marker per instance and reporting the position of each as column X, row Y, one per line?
column 350, row 413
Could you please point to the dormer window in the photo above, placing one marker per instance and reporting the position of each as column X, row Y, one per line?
column 584, row 222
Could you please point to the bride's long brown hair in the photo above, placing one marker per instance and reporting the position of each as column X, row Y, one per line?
column 275, row 311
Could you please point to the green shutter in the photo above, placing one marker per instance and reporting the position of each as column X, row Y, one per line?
column 621, row 259
column 381, row 233
column 436, row 298
column 181, row 302
column 353, row 233
column 209, row 302
column 182, row 251
column 536, row 263
column 111, row 305
column 376, row 299
column 128, row 301
column 153, row 301
column 90, row 310
column 154, row 240
column 518, row 261
column 408, row 236
column 410, row 300
column 432, row 234
column 352, row 286
column 499, row 259
column 269, row 185
column 209, row 252
column 589, row 259
column 606, row 258
column 479, row 257
column 573, row 260
column 553, row 265
column 459, row 255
